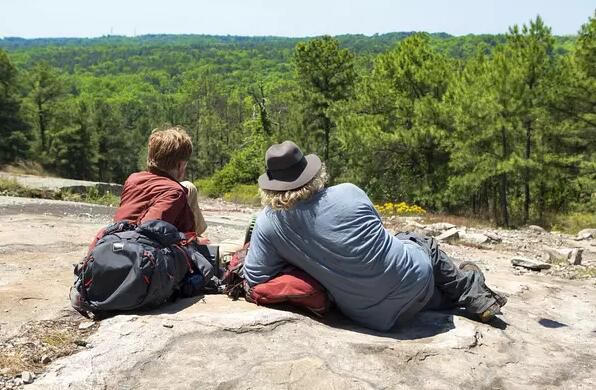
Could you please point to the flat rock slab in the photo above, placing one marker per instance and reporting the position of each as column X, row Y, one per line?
column 449, row 235
column 217, row 343
column 546, row 338
column 226, row 344
column 441, row 226
column 586, row 234
column 534, row 265
column 476, row 238
column 57, row 184
column 537, row 229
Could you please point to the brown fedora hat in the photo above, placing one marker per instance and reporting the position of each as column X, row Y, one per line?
column 288, row 168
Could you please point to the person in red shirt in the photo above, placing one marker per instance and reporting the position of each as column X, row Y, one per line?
column 158, row 193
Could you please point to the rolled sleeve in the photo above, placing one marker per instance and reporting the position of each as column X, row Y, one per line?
column 263, row 262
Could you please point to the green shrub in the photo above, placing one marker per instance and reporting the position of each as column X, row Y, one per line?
column 244, row 194
column 207, row 187
column 244, row 167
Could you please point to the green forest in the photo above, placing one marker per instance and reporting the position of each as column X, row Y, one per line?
column 502, row 127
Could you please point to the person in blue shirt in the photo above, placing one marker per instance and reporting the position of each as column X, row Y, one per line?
column 336, row 236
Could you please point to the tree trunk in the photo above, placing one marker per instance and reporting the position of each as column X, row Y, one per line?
column 485, row 200
column 495, row 208
column 528, row 151
column 503, row 181
column 327, row 130
column 42, row 126
column 541, row 200
column 474, row 211
column 503, row 199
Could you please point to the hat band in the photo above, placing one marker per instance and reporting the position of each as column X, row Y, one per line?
column 290, row 173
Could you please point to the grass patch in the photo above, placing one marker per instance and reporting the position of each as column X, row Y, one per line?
column 247, row 194
column 573, row 222
column 13, row 362
column 52, row 338
column 458, row 220
column 564, row 270
column 586, row 272
column 91, row 196
column 10, row 187
column 58, row 339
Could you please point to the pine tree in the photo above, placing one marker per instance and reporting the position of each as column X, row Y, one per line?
column 531, row 50
column 73, row 152
column 46, row 89
column 401, row 123
column 484, row 157
column 14, row 132
column 326, row 76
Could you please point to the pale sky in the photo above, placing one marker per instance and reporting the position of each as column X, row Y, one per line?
column 299, row 18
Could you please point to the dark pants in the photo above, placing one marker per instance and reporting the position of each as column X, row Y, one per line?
column 453, row 287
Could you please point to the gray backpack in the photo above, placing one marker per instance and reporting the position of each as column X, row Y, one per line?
column 134, row 267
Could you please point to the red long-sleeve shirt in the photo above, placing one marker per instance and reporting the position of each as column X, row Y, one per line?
column 148, row 196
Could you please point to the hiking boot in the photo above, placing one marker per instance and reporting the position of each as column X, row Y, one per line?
column 491, row 312
column 500, row 300
column 470, row 266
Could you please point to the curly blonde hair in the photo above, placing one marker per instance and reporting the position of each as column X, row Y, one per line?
column 283, row 200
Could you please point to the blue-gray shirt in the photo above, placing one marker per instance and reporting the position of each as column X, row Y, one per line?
column 338, row 238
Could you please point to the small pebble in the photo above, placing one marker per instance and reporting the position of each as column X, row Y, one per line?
column 166, row 325
column 27, row 377
column 86, row 325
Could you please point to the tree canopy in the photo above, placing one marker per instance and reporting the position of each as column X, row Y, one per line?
column 503, row 126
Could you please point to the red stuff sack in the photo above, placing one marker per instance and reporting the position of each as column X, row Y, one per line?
column 292, row 286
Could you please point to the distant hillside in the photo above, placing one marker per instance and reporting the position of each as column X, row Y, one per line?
column 149, row 51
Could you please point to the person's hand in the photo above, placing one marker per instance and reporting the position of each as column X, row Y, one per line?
column 204, row 240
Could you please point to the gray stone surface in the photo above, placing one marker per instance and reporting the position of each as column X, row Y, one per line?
column 449, row 235
column 441, row 226
column 536, row 228
column 27, row 377
column 494, row 237
column 544, row 340
column 575, row 257
column 222, row 344
column 476, row 238
column 586, row 234
column 225, row 344
column 572, row 255
column 534, row 265
column 57, row 184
